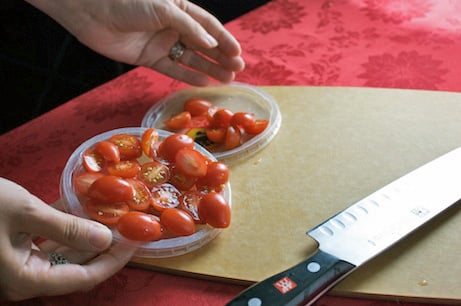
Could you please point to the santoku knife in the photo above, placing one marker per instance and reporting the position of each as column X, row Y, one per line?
column 362, row 231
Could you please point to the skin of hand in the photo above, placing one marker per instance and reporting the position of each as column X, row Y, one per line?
column 142, row 32
column 25, row 270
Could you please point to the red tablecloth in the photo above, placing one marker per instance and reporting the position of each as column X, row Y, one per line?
column 412, row 44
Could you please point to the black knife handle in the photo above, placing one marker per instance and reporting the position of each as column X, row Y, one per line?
column 303, row 283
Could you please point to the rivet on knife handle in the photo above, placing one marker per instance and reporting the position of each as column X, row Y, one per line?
column 304, row 282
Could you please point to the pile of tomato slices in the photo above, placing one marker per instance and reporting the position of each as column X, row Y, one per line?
column 151, row 189
column 212, row 127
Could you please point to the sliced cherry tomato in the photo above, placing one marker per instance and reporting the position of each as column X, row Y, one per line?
column 83, row 181
column 108, row 150
column 217, row 174
column 222, row 118
column 191, row 162
column 142, row 197
column 189, row 202
column 106, row 213
column 201, row 121
column 93, row 161
column 154, row 173
column 214, row 210
column 179, row 121
column 197, row 106
column 128, row 145
column 172, row 144
column 110, row 188
column 177, row 222
column 165, row 196
column 149, row 141
column 216, row 135
column 125, row 168
column 139, row 226
column 243, row 119
column 259, row 126
column 180, row 180
column 233, row 137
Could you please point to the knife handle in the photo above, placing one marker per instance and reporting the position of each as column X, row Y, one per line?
column 303, row 283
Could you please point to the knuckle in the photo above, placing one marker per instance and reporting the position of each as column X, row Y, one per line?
column 72, row 229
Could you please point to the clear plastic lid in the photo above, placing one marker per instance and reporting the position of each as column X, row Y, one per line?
column 237, row 97
column 157, row 249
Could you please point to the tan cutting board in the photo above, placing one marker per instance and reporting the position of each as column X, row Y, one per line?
column 336, row 146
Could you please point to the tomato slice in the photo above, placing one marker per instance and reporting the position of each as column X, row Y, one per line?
column 154, row 173
column 139, row 226
column 128, row 145
column 142, row 197
column 108, row 150
column 110, row 188
column 189, row 202
column 106, row 213
column 125, row 168
column 191, row 162
column 93, row 161
column 217, row 175
column 197, row 106
column 179, row 121
column 172, row 144
column 259, row 126
column 222, row 118
column 201, row 121
column 233, row 138
column 216, row 135
column 214, row 210
column 243, row 119
column 149, row 141
column 165, row 196
column 82, row 182
column 177, row 222
column 180, row 180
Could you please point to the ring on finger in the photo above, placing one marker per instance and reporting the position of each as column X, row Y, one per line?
column 57, row 259
column 176, row 51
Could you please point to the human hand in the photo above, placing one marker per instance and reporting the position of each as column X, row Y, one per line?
column 142, row 32
column 25, row 269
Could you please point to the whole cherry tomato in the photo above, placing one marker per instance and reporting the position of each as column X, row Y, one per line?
column 214, row 210
column 177, row 222
column 217, row 174
column 222, row 118
column 172, row 144
column 180, row 180
column 128, row 145
column 197, row 106
column 110, row 188
column 191, row 162
column 259, row 126
column 233, row 138
column 139, row 226
column 108, row 150
column 106, row 213
column 244, row 120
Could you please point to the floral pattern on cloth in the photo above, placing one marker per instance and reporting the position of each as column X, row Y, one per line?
column 412, row 44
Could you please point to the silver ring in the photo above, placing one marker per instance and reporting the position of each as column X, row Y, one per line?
column 57, row 259
column 176, row 51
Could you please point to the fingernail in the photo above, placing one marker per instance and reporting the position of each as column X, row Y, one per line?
column 211, row 41
column 100, row 237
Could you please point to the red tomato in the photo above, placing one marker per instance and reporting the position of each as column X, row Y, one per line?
column 92, row 161
column 108, row 150
column 125, row 168
column 142, row 197
column 177, row 222
column 233, row 138
column 106, row 213
column 179, row 121
column 139, row 226
column 214, row 210
column 111, row 188
column 217, row 174
column 244, row 120
column 201, row 121
column 191, row 162
column 154, row 173
column 197, row 106
column 216, row 135
column 149, row 141
column 189, row 203
column 180, row 180
column 259, row 126
column 83, row 181
column 172, row 144
column 165, row 196
column 222, row 118
column 128, row 145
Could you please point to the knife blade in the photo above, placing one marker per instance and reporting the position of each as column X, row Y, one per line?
column 362, row 231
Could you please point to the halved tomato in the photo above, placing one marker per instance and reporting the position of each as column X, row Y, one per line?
column 201, row 121
column 259, row 126
column 191, row 162
column 110, row 188
column 149, row 142
column 197, row 106
column 142, row 196
column 165, row 196
column 177, row 222
column 128, row 145
column 222, row 118
column 125, row 168
column 154, row 173
column 139, row 226
column 189, row 202
column 217, row 175
column 233, row 138
column 216, row 135
column 106, row 213
column 179, row 121
column 108, row 150
column 93, row 161
column 172, row 144
column 243, row 119
column 180, row 180
column 83, row 181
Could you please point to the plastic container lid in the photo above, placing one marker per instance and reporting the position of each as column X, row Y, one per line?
column 157, row 249
column 237, row 97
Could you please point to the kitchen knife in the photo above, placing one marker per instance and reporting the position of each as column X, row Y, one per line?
column 362, row 231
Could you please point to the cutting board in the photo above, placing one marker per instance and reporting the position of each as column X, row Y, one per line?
column 335, row 147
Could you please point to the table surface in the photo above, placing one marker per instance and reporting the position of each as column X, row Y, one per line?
column 411, row 44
